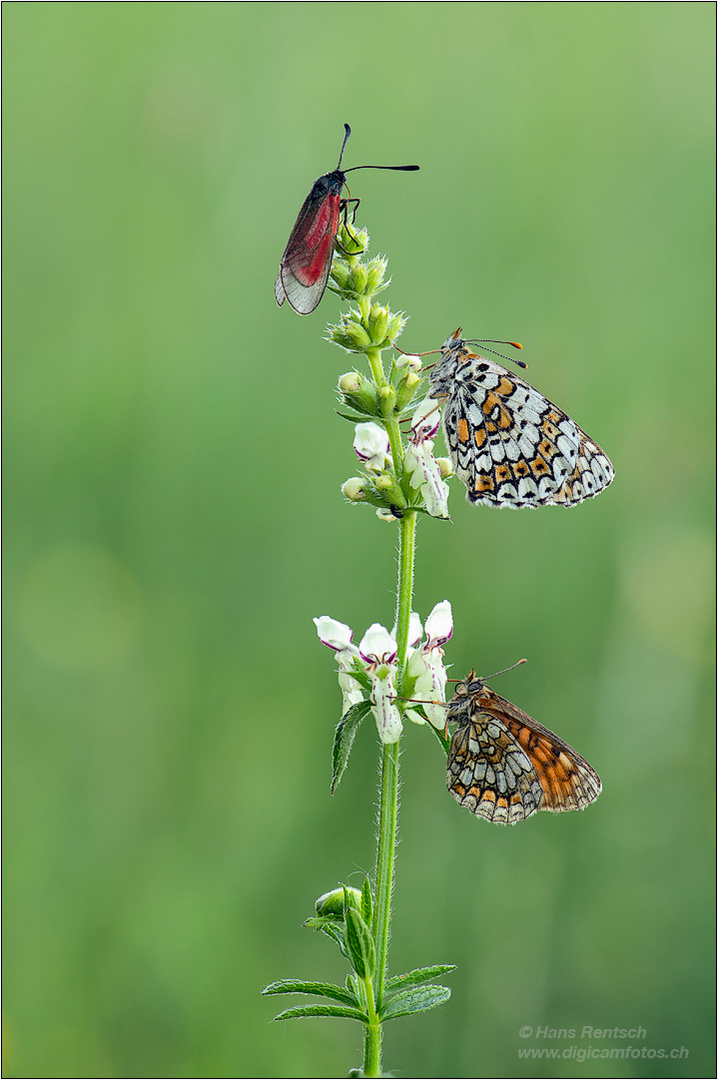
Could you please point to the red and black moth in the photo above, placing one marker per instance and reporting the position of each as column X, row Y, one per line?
column 307, row 259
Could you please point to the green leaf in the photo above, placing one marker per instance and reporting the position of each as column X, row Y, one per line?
column 359, row 943
column 418, row 975
column 321, row 989
column 366, row 902
column 416, row 1000
column 323, row 1010
column 445, row 740
column 344, row 739
column 360, row 416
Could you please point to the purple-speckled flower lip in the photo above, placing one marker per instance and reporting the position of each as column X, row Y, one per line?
column 371, row 443
column 378, row 646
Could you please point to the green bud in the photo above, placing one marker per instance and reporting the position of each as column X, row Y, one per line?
column 358, row 278
column 351, row 335
column 378, row 324
column 351, row 243
column 331, row 904
column 387, row 400
column 445, row 467
column 389, row 489
column 405, row 389
column 396, row 326
column 340, row 274
column 376, row 270
column 359, row 942
column 358, row 392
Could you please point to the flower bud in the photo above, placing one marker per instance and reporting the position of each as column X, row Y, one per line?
column 355, row 242
column 359, row 392
column 378, row 324
column 405, row 389
column 396, row 326
column 331, row 904
column 445, row 467
column 358, row 278
column 389, row 489
column 351, row 335
column 375, row 274
column 387, row 400
column 354, row 489
column 407, row 360
column 340, row 275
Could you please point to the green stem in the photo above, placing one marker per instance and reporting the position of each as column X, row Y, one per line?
column 372, row 1035
column 389, row 800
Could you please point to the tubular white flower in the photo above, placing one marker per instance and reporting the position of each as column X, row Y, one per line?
column 416, row 630
column 338, row 636
column 426, row 418
column 427, row 665
column 371, row 443
column 423, row 468
column 378, row 649
column 439, row 625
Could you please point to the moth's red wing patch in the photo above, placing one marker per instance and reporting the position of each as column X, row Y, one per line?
column 307, row 259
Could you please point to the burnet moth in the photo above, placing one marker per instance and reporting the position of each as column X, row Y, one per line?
column 307, row 259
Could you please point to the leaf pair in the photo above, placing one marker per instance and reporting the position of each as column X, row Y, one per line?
column 410, row 996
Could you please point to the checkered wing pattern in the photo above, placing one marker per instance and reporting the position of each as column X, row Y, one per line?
column 510, row 445
column 504, row 766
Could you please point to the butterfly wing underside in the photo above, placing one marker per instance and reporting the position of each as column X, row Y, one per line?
column 504, row 766
column 509, row 444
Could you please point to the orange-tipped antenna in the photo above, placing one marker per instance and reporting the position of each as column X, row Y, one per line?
column 504, row 670
column 494, row 341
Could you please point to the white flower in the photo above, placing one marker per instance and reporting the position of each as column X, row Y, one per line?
column 378, row 649
column 376, row 655
column 371, row 443
column 416, row 630
column 423, row 468
column 427, row 665
column 338, row 636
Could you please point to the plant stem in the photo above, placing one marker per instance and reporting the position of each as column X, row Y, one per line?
column 389, row 800
column 372, row 1035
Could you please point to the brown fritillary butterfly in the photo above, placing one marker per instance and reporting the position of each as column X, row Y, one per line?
column 504, row 766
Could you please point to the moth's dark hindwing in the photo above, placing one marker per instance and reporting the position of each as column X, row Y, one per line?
column 510, row 445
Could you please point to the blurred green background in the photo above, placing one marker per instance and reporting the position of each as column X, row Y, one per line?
column 173, row 464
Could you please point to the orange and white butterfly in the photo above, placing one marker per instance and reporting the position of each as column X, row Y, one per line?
column 504, row 766
column 510, row 445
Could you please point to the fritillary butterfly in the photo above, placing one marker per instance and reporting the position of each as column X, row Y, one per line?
column 504, row 766
column 510, row 445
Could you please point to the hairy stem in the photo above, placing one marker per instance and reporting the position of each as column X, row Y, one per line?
column 389, row 796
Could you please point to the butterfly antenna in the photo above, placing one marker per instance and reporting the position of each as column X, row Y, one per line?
column 504, row 670
column 493, row 341
column 347, row 133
